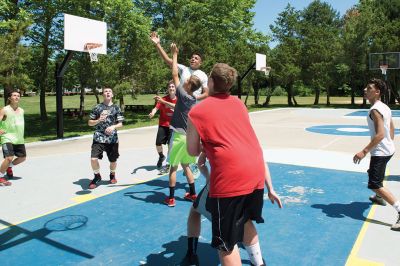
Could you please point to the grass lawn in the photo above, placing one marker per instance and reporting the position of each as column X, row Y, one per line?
column 37, row 130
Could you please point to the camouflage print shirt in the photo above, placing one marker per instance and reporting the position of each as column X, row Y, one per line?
column 114, row 116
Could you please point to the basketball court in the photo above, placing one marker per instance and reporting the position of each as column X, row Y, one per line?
column 51, row 218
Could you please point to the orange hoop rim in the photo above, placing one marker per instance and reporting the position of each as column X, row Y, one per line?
column 91, row 45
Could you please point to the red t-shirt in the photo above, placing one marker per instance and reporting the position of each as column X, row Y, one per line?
column 231, row 146
column 166, row 112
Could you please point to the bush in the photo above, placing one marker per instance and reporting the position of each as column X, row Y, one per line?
column 301, row 90
column 279, row 91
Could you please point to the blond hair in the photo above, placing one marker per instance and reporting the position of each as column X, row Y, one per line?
column 224, row 76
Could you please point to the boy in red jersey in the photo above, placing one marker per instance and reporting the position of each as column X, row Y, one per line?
column 220, row 125
column 166, row 106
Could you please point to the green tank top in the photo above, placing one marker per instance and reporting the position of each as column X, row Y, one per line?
column 13, row 126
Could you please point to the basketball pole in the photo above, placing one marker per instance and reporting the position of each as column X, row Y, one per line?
column 241, row 78
column 59, row 74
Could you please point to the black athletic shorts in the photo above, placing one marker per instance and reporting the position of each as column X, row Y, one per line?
column 376, row 171
column 110, row 148
column 10, row 149
column 163, row 135
column 228, row 216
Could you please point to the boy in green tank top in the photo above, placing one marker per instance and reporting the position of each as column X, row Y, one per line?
column 12, row 126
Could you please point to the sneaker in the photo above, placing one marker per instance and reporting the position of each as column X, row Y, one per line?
column 396, row 226
column 4, row 182
column 170, row 202
column 377, row 200
column 164, row 170
column 190, row 197
column 113, row 180
column 160, row 161
column 191, row 260
column 9, row 172
column 93, row 183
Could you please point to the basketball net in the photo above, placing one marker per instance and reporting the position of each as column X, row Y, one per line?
column 383, row 69
column 266, row 71
column 89, row 47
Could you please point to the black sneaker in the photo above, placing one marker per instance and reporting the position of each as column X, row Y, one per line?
column 261, row 264
column 160, row 161
column 396, row 226
column 113, row 180
column 93, row 183
column 377, row 200
column 191, row 260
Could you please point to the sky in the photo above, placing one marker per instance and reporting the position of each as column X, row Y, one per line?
column 267, row 10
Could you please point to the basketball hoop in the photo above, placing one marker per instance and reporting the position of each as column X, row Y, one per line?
column 384, row 68
column 266, row 71
column 89, row 47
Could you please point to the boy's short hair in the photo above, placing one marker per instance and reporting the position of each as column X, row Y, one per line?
column 170, row 82
column 194, row 82
column 224, row 76
column 13, row 91
column 197, row 53
column 379, row 85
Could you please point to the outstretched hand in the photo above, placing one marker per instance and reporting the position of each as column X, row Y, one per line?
column 273, row 197
column 174, row 48
column 154, row 37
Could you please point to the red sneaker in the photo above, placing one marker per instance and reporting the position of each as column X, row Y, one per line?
column 10, row 173
column 170, row 202
column 93, row 183
column 190, row 197
column 4, row 182
column 113, row 180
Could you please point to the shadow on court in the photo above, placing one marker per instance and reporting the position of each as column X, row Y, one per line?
column 175, row 251
column 84, row 184
column 393, row 178
column 16, row 235
column 148, row 168
column 352, row 210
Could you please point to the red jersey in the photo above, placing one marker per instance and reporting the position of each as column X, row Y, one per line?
column 231, row 146
column 166, row 112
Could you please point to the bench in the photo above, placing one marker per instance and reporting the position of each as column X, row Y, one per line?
column 72, row 111
column 136, row 107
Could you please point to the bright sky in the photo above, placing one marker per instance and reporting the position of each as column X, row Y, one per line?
column 267, row 10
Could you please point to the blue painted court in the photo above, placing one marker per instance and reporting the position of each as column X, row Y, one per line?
column 323, row 213
column 343, row 130
column 395, row 113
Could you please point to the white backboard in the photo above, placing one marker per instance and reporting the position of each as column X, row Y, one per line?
column 261, row 62
column 78, row 31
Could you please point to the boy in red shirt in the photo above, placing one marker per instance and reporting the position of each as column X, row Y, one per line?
column 220, row 125
column 166, row 106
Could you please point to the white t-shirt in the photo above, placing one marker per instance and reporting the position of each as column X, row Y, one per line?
column 185, row 73
column 386, row 146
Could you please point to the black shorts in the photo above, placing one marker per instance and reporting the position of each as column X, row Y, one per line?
column 10, row 149
column 163, row 135
column 228, row 216
column 376, row 171
column 110, row 148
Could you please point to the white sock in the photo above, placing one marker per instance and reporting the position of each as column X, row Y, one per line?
column 1, row 175
column 396, row 205
column 11, row 165
column 112, row 171
column 97, row 171
column 254, row 252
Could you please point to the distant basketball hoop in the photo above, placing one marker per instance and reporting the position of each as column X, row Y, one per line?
column 266, row 71
column 384, row 68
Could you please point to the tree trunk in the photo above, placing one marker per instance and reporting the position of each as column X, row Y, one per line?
column 328, row 97
column 295, row 102
column 247, row 97
column 316, row 100
column 44, row 70
column 290, row 95
column 122, row 104
column 82, row 103
column 256, row 87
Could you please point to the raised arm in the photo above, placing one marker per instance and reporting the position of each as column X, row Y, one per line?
column 2, row 115
column 175, row 76
column 156, row 40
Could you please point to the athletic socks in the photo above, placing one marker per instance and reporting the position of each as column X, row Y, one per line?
column 254, row 252
column 112, row 171
column 192, row 245
column 97, row 171
column 171, row 192
column 1, row 175
column 11, row 165
column 161, row 154
column 396, row 205
column 192, row 190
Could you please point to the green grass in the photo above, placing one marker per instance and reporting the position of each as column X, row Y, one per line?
column 37, row 130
